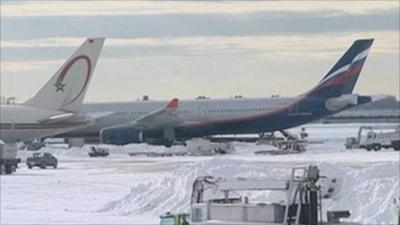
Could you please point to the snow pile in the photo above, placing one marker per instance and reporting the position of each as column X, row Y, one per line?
column 172, row 193
column 366, row 192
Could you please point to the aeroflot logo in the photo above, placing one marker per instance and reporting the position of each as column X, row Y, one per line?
column 60, row 85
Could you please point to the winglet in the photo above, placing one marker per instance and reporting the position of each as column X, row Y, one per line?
column 173, row 104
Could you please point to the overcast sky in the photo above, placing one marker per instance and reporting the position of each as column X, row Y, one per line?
column 186, row 49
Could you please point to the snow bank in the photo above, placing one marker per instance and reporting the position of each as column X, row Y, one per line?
column 366, row 192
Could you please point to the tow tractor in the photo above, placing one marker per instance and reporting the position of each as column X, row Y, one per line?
column 302, row 203
column 98, row 152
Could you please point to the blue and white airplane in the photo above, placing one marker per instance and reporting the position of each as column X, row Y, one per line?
column 160, row 122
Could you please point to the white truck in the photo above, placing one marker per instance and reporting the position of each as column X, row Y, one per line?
column 301, row 203
column 8, row 158
column 375, row 138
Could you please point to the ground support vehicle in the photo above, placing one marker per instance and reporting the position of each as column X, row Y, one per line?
column 370, row 138
column 304, row 191
column 41, row 160
column 8, row 158
column 98, row 152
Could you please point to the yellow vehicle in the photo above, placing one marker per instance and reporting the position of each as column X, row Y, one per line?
column 174, row 219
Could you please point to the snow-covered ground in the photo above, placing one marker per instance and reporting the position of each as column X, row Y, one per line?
column 121, row 189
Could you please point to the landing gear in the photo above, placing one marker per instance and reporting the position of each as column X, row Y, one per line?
column 169, row 136
column 9, row 169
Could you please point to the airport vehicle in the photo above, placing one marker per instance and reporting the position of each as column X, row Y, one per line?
column 193, row 147
column 98, row 152
column 304, row 191
column 41, row 160
column 174, row 219
column 375, row 140
column 8, row 157
column 55, row 108
column 202, row 147
column 162, row 123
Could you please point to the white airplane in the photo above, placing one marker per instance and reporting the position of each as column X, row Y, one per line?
column 159, row 122
column 55, row 108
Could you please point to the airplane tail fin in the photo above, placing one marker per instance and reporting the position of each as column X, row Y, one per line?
column 343, row 76
column 67, row 88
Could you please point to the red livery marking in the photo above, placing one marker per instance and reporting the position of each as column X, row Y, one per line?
column 173, row 103
column 342, row 78
column 68, row 66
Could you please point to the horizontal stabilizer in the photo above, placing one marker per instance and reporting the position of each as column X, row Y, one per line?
column 58, row 118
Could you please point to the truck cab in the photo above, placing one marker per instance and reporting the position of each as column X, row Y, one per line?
column 174, row 219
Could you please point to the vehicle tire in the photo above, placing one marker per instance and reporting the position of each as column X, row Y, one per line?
column 30, row 167
column 43, row 166
column 55, row 166
column 168, row 145
column 377, row 147
column 368, row 148
column 9, row 169
column 396, row 145
column 2, row 169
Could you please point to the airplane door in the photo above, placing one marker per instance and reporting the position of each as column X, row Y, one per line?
column 203, row 110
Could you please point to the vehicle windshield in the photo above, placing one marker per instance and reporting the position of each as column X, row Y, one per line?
column 37, row 155
column 168, row 221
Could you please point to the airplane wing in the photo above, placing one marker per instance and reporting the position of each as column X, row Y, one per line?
column 166, row 116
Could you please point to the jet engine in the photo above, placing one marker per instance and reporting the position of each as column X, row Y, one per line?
column 121, row 135
column 338, row 103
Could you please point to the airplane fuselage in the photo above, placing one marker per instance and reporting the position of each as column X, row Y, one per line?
column 138, row 122
column 24, row 123
column 213, row 116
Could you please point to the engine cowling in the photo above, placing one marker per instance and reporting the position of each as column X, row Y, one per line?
column 121, row 135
